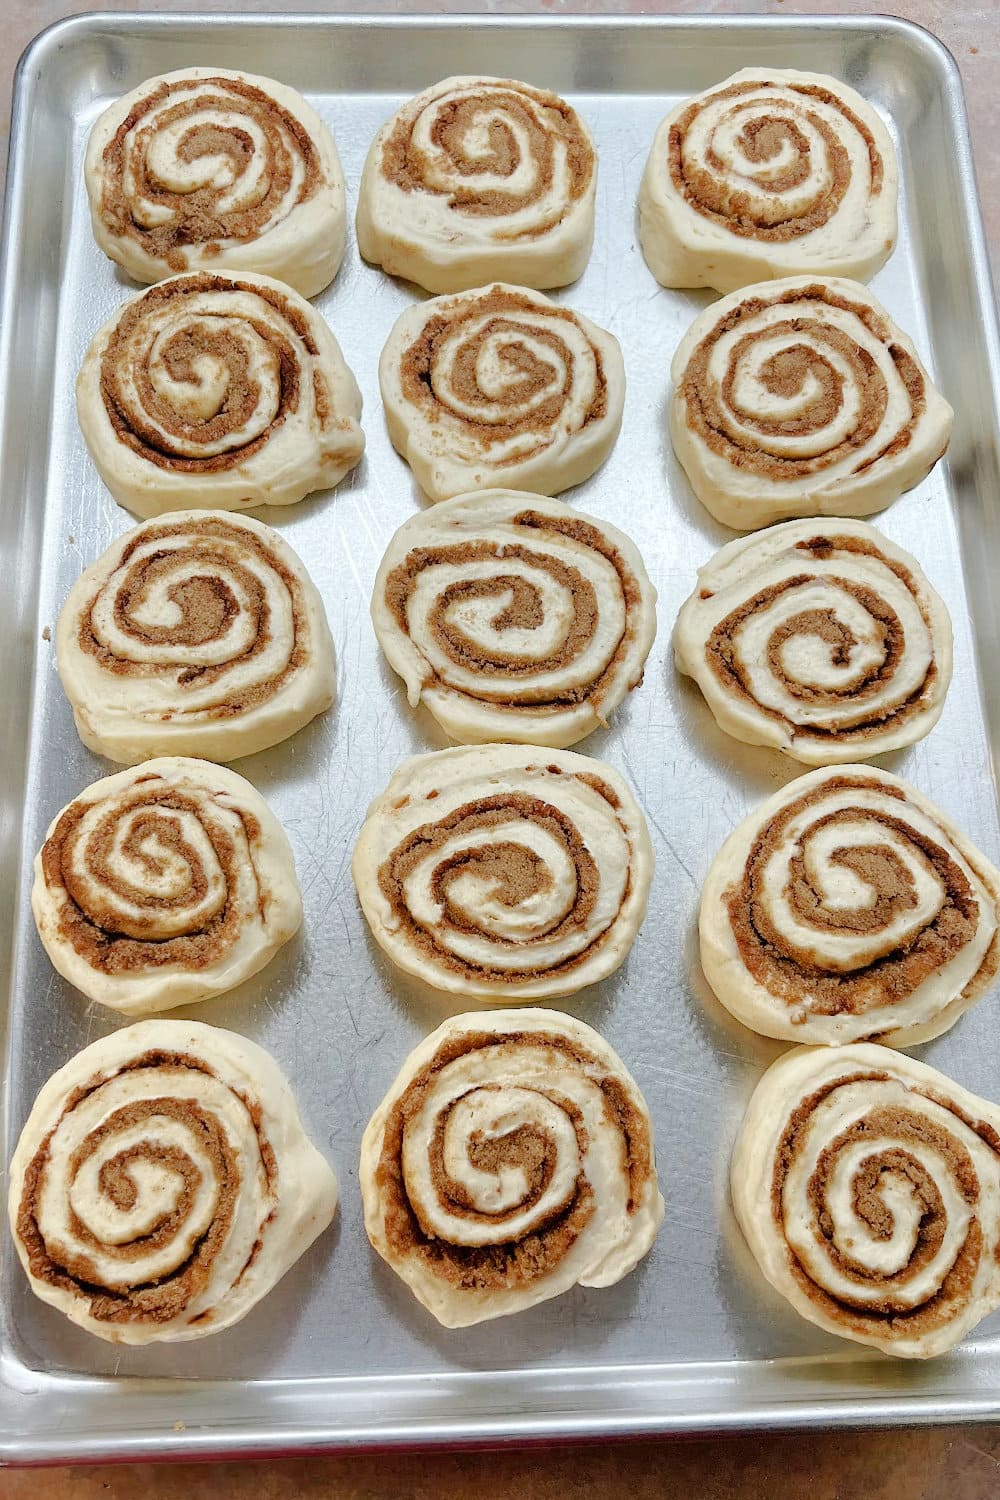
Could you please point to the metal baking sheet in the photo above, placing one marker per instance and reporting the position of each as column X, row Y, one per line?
column 340, row 1354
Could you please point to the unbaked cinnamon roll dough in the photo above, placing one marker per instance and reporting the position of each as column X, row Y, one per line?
column 823, row 639
column 163, row 1184
column 208, row 169
column 503, row 871
column 846, row 908
column 163, row 885
column 514, row 617
column 867, row 1186
column 217, row 390
column 511, row 1160
column 773, row 172
column 802, row 397
column 480, row 179
column 500, row 386
column 198, row 634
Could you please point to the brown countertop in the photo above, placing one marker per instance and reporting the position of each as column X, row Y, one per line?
column 933, row 1464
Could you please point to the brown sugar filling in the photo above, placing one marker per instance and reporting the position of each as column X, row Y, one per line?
column 512, row 1263
column 74, row 1270
column 544, row 119
column 712, row 416
column 797, row 977
column 424, row 388
column 198, row 217
column 206, row 605
column 147, row 429
column 523, row 610
column 723, row 656
column 89, row 916
column 908, row 1131
column 754, row 213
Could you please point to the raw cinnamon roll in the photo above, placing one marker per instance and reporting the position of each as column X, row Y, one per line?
column 163, row 1183
column 480, row 179
column 210, row 169
column 771, row 173
column 500, row 385
column 221, row 391
column 848, row 908
column 514, row 617
column 802, row 397
column 511, row 1160
column 868, row 1188
column 825, row 641
column 163, row 885
column 201, row 634
column 504, row 871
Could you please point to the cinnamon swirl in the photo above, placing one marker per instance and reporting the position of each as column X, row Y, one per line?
column 211, row 169
column 514, row 617
column 500, row 385
column 163, row 885
column 200, row 634
column 511, row 1160
column 476, row 180
column 826, row 642
column 221, row 391
column 163, row 1184
column 802, row 397
column 867, row 1185
column 504, row 871
column 771, row 173
column 848, row 908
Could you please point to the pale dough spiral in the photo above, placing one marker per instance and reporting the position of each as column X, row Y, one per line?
column 802, row 398
column 848, row 908
column 163, row 885
column 163, row 1183
column 480, row 179
column 199, row 634
column 500, row 385
column 771, row 173
column 514, row 617
column 222, row 391
column 511, row 1160
column 822, row 639
column 868, row 1188
column 207, row 169
column 503, row 871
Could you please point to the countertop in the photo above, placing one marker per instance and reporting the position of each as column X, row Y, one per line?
column 932, row 1464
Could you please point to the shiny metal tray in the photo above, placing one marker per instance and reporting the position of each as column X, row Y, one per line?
column 340, row 1354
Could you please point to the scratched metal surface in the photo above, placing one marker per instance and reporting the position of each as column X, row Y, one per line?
column 340, row 1353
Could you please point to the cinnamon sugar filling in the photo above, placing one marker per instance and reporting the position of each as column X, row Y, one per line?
column 770, row 132
column 796, row 976
column 206, row 606
column 199, row 217
column 508, row 1263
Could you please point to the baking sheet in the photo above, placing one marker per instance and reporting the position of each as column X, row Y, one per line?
column 340, row 1354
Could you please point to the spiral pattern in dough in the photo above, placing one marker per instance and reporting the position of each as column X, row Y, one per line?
column 802, row 397
column 824, row 641
column 511, row 1160
column 771, row 173
column 848, row 908
column 504, row 871
column 514, row 617
column 163, row 1183
column 221, row 391
column 163, row 885
column 500, row 385
column 207, row 169
column 201, row 634
column 480, row 179
column 868, row 1188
